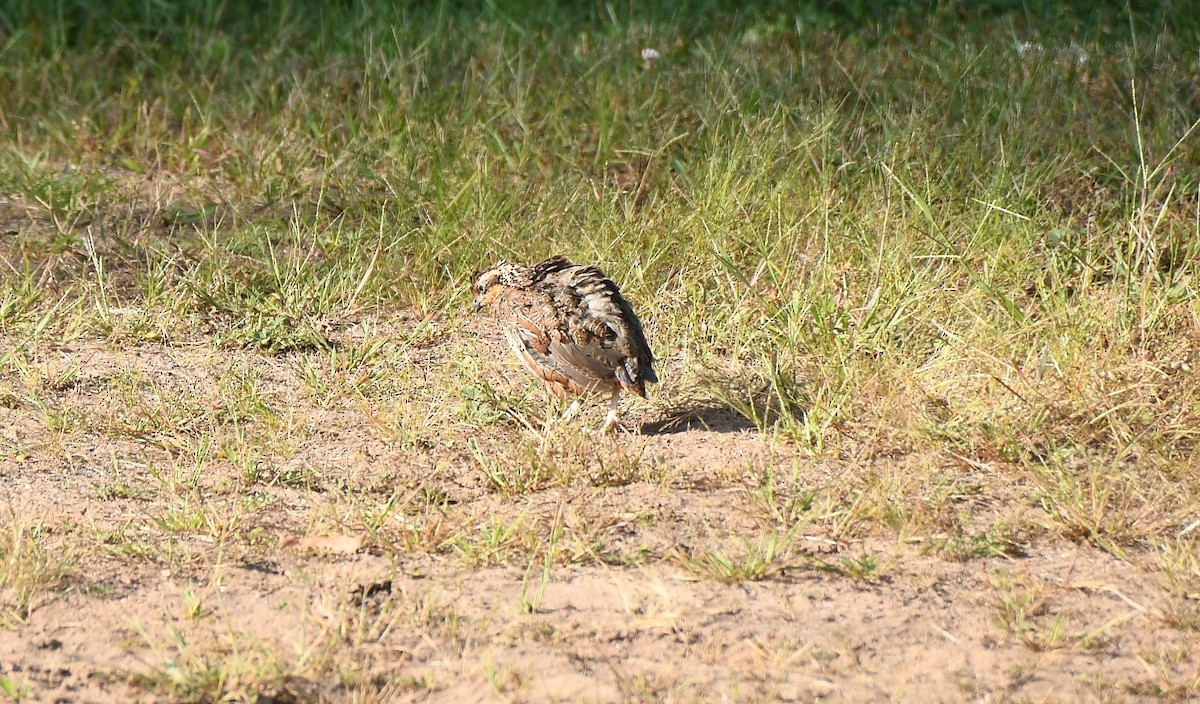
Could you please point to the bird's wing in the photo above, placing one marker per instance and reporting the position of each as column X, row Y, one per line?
column 599, row 330
column 545, row 346
column 589, row 354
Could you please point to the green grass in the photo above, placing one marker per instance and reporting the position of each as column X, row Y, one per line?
column 893, row 219
column 33, row 566
column 896, row 237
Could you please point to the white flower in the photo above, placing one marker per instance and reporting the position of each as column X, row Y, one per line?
column 649, row 56
column 1078, row 53
column 1071, row 52
column 1029, row 49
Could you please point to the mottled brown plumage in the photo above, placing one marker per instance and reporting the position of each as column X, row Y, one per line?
column 570, row 327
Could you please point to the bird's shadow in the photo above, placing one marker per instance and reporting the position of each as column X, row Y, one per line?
column 703, row 416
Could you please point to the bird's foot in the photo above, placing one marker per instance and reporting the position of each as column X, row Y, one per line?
column 571, row 411
column 610, row 424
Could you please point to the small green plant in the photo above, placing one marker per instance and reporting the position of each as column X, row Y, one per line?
column 531, row 601
column 15, row 690
column 193, row 605
column 772, row 554
column 516, row 474
column 194, row 673
column 864, row 568
column 781, row 505
column 507, row 680
column 29, row 569
column 1098, row 503
column 1001, row 540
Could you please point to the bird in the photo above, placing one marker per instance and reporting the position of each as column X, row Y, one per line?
column 569, row 326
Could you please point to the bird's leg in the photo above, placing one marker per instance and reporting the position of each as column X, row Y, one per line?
column 610, row 420
column 571, row 410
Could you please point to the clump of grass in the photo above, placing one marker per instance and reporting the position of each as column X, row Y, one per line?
column 864, row 568
column 194, row 673
column 31, row 571
column 564, row 455
column 1106, row 505
column 1000, row 540
column 565, row 537
column 772, row 554
column 769, row 398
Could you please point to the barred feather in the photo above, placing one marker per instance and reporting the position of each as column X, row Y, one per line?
column 569, row 325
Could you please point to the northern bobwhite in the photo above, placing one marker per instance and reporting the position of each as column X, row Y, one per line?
column 571, row 328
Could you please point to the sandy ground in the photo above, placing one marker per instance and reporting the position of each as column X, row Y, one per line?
column 337, row 578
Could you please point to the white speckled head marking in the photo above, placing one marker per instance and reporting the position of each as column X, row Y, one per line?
column 488, row 283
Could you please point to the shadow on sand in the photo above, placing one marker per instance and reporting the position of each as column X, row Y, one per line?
column 709, row 417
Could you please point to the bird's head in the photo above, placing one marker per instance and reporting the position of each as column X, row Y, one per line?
column 491, row 282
